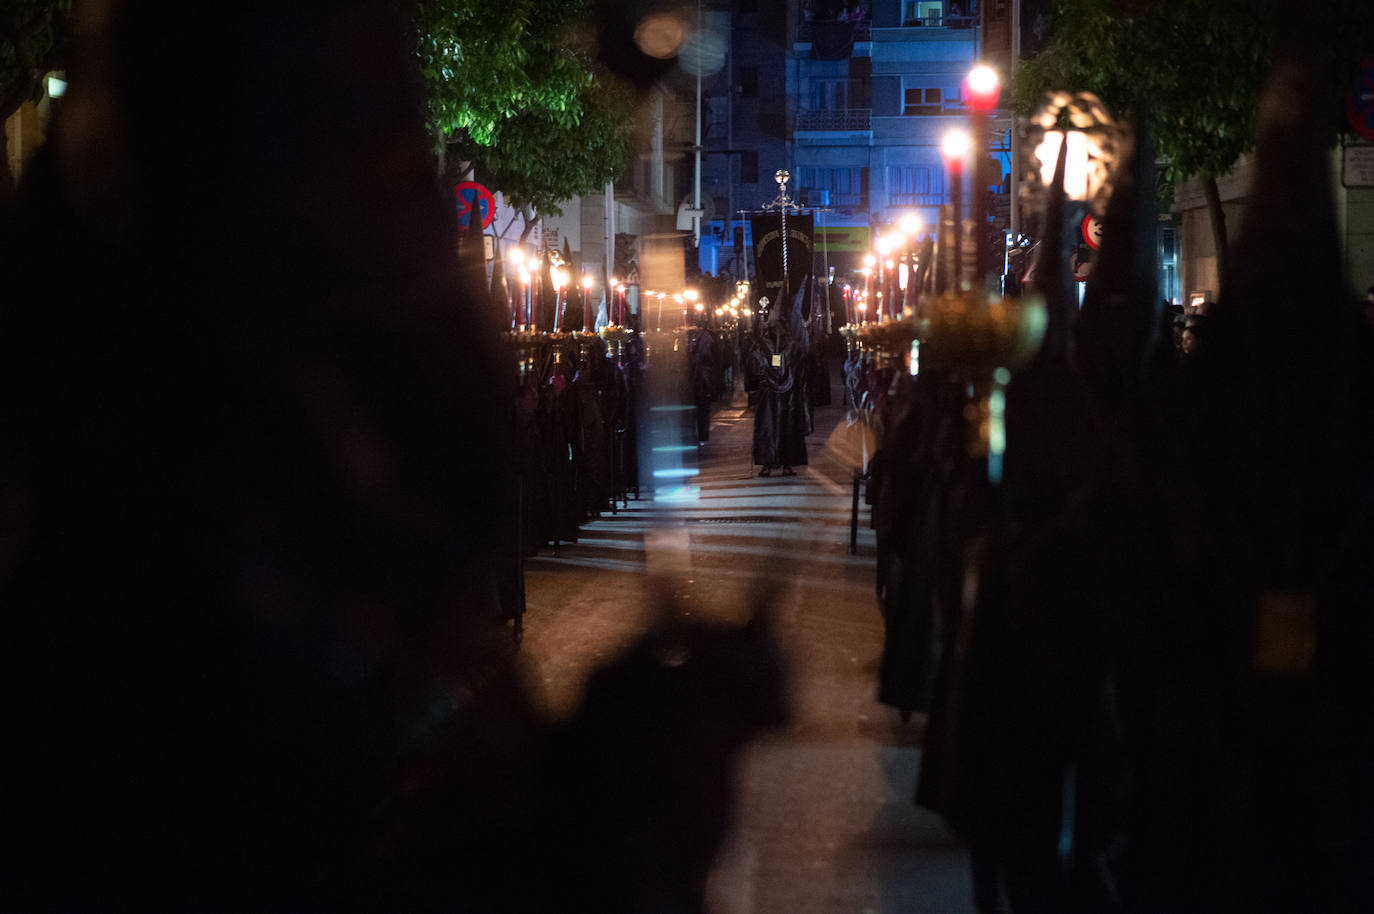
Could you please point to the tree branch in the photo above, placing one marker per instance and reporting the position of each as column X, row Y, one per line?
column 30, row 66
column 1218, row 220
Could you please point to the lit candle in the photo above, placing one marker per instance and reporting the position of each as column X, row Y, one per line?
column 890, row 284
column 523, row 308
column 870, row 279
column 559, row 277
column 586, row 303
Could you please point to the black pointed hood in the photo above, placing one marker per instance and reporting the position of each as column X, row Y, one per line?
column 1052, row 276
column 1286, row 262
column 500, row 294
column 1118, row 327
column 1282, row 363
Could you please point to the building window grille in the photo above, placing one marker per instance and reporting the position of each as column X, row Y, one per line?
column 844, row 186
column 923, row 13
column 829, row 94
column 913, row 185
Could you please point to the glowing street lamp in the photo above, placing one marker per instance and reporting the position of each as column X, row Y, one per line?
column 954, row 146
column 1091, row 140
column 983, row 88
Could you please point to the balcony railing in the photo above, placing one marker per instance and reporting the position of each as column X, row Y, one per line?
column 806, row 31
column 937, row 21
column 837, row 119
column 815, row 196
column 936, row 199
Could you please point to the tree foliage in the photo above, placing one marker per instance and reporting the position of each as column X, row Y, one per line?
column 32, row 43
column 1197, row 64
column 514, row 90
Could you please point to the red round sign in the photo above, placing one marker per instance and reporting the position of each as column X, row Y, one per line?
column 472, row 196
column 1092, row 232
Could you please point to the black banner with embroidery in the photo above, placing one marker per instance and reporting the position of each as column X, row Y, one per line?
column 768, row 252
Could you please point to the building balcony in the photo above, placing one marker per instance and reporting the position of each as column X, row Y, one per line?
column 840, row 119
column 859, row 29
column 942, row 22
column 929, row 199
column 823, row 196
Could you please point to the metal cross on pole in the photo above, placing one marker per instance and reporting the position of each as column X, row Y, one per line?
column 783, row 205
column 783, row 202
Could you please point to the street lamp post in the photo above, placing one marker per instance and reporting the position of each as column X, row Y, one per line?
column 984, row 89
column 883, row 246
column 911, row 226
column 954, row 148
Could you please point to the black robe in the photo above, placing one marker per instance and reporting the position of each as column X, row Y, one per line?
column 781, row 419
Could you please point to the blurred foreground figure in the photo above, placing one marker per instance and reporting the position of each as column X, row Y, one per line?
column 252, row 656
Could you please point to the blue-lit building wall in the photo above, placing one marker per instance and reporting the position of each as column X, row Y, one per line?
column 746, row 129
column 853, row 100
column 875, row 98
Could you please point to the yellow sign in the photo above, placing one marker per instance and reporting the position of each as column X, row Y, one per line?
column 842, row 239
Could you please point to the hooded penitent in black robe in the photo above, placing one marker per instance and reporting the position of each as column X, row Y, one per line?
column 782, row 418
column 703, row 381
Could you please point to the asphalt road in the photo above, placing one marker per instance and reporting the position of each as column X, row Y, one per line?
column 824, row 817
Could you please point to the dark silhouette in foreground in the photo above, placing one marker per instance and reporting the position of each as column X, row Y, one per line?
column 253, row 437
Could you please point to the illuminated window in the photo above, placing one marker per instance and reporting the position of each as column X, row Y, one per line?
column 923, row 13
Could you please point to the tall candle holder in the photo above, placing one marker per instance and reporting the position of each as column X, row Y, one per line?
column 526, row 345
column 616, row 336
column 983, row 341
